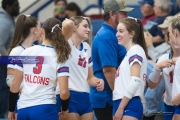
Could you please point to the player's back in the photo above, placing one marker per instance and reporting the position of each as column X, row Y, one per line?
column 40, row 78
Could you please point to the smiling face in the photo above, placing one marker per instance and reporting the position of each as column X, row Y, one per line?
column 123, row 36
column 82, row 30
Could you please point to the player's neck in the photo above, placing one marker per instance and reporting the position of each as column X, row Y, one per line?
column 27, row 42
column 76, row 41
column 46, row 43
column 129, row 45
column 176, row 53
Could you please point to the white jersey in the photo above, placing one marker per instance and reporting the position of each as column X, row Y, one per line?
column 15, row 52
column 40, row 79
column 134, row 54
column 78, row 64
column 168, row 78
column 176, row 82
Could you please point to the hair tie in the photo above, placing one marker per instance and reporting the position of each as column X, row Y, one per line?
column 26, row 15
column 83, row 17
column 57, row 25
column 133, row 18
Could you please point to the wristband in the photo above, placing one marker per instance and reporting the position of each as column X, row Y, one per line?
column 154, row 76
column 65, row 104
column 12, row 101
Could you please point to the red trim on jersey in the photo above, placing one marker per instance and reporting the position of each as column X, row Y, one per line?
column 131, row 59
column 63, row 69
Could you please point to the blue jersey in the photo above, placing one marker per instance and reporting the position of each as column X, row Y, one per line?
column 105, row 52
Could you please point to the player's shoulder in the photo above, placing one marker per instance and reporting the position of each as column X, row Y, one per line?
column 17, row 50
column 137, row 49
column 85, row 44
column 165, row 56
column 30, row 49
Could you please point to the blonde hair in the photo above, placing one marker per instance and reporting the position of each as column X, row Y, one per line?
column 77, row 20
column 175, row 23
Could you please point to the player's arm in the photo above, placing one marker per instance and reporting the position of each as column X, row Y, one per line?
column 63, row 76
column 18, row 77
column 133, row 85
column 14, row 90
column 67, row 28
column 64, row 95
column 63, row 83
column 10, row 76
column 64, row 90
column 155, row 76
column 94, row 81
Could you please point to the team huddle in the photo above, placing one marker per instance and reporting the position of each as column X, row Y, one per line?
column 75, row 81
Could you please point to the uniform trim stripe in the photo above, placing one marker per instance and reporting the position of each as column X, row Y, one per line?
column 131, row 59
column 90, row 60
column 20, row 65
column 63, row 69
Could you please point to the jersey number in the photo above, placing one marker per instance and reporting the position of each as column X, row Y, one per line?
column 82, row 62
column 38, row 68
column 171, row 77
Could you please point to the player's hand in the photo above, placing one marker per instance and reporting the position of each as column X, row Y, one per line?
column 63, row 115
column 176, row 100
column 11, row 116
column 166, row 63
column 67, row 28
column 119, row 114
column 100, row 85
column 68, row 23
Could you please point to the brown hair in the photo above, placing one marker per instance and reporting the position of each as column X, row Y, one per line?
column 23, row 27
column 133, row 24
column 56, row 38
column 77, row 20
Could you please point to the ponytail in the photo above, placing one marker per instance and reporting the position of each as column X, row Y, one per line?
column 140, row 38
column 53, row 33
column 23, row 27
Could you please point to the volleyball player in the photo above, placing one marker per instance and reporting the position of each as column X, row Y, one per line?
column 174, row 36
column 27, row 30
column 130, row 77
column 164, row 68
column 81, row 74
column 37, row 100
